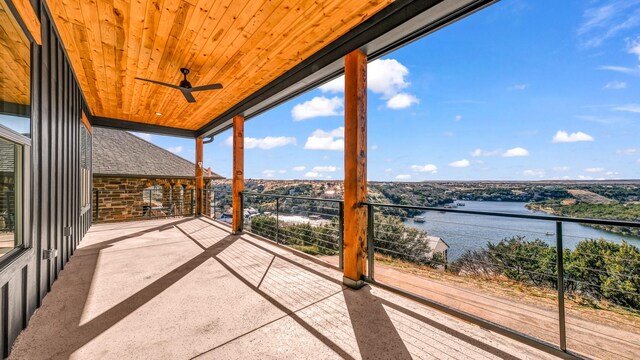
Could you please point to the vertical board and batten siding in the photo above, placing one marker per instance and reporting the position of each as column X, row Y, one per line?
column 54, row 192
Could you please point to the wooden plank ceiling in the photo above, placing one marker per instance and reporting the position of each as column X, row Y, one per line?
column 243, row 45
column 14, row 60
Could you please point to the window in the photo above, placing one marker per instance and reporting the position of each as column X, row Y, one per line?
column 85, row 167
column 10, row 195
column 15, row 129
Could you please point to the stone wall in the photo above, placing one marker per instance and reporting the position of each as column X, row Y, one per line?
column 122, row 198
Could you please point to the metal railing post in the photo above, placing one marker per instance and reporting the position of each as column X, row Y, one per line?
column 277, row 221
column 560, row 264
column 193, row 202
column 97, row 205
column 214, row 204
column 370, row 242
column 241, row 220
column 341, row 234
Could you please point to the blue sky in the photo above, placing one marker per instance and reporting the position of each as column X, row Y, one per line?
column 523, row 90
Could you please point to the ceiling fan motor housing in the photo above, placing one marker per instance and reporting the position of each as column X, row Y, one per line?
column 184, row 83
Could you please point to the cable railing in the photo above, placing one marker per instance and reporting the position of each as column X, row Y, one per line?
column 310, row 225
column 533, row 277
column 547, row 281
column 219, row 204
column 149, row 203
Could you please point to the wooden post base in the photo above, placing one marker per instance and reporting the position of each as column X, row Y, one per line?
column 354, row 284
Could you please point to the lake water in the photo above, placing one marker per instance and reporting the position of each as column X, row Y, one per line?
column 468, row 232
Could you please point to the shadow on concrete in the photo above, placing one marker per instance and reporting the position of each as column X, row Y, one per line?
column 85, row 262
column 375, row 333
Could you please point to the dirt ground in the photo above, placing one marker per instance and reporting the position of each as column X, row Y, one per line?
column 590, row 197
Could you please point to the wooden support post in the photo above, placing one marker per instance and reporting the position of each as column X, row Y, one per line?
column 237, row 184
column 199, row 176
column 355, row 168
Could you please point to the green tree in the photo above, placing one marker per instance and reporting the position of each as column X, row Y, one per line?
column 622, row 283
column 531, row 262
column 394, row 239
column 585, row 267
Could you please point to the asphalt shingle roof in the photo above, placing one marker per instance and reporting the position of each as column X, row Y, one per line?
column 117, row 152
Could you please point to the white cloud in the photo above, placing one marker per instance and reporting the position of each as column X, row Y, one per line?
column 320, row 169
column 582, row 177
column 606, row 120
column 266, row 143
column 317, row 107
column 282, row 171
column 622, row 69
column 594, row 170
column 268, row 173
column 323, row 140
column 564, row 137
column 485, row 153
column 516, row 152
column 175, row 149
column 388, row 170
column 634, row 108
column 615, row 85
column 312, row 174
column 633, row 47
column 144, row 136
column 630, row 151
column 385, row 77
column 518, row 87
column 612, row 173
column 457, row 118
column 403, row 177
column 560, row 168
column 537, row 173
column 374, row 147
column 402, row 101
column 299, row 168
column 430, row 168
column 334, row 86
column 460, row 163
column 606, row 21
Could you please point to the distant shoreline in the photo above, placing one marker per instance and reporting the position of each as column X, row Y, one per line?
column 556, row 182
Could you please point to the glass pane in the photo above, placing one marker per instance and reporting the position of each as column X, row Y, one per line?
column 15, row 74
column 9, row 238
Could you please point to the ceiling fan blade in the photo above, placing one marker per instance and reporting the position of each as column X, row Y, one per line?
column 159, row 83
column 187, row 95
column 207, row 87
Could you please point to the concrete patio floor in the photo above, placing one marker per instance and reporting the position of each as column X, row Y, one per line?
column 186, row 288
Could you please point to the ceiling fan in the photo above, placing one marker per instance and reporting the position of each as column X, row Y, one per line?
column 185, row 86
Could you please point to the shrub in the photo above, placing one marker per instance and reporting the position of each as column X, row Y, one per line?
column 398, row 241
column 532, row 262
column 595, row 269
column 321, row 239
